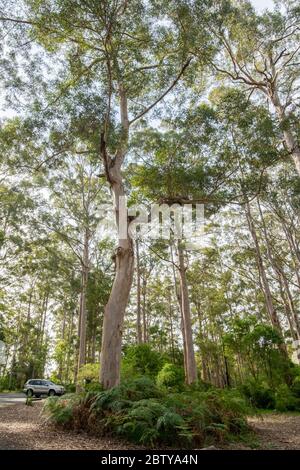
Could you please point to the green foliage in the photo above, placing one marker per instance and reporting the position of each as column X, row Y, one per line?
column 296, row 386
column 60, row 409
column 282, row 397
column 285, row 400
column 257, row 344
column 5, row 383
column 145, row 414
column 259, row 394
column 70, row 388
column 89, row 373
column 170, row 376
column 140, row 360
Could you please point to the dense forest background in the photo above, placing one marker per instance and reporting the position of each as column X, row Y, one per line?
column 172, row 102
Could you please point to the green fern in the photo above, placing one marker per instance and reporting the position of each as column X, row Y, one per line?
column 141, row 412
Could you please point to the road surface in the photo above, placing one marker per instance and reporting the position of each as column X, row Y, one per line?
column 11, row 399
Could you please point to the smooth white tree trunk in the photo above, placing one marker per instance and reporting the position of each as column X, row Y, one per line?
column 110, row 358
column 190, row 361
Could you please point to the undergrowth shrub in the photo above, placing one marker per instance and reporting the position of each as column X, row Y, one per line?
column 171, row 376
column 144, row 413
column 70, row 387
column 140, row 360
column 259, row 394
column 89, row 373
column 280, row 398
column 60, row 410
column 296, row 386
column 285, row 400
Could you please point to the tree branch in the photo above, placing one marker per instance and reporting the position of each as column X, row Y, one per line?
column 187, row 63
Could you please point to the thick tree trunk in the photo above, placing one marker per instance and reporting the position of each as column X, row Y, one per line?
column 114, row 315
column 124, row 258
column 191, row 367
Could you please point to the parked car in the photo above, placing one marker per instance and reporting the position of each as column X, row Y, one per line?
column 38, row 387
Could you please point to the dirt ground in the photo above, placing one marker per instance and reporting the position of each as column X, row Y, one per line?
column 277, row 431
column 22, row 427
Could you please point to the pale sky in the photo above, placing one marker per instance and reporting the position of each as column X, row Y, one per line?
column 262, row 4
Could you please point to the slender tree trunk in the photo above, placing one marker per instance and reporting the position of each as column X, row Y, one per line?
column 293, row 248
column 138, row 295
column 83, row 312
column 265, row 283
column 44, row 318
column 77, row 347
column 289, row 139
column 145, row 329
column 287, row 310
column 205, row 375
column 187, row 324
column 267, row 292
column 171, row 325
column 62, row 359
column 179, row 300
column 70, row 334
column 287, row 297
column 93, row 349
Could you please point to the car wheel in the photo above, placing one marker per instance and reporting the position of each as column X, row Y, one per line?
column 30, row 393
column 51, row 393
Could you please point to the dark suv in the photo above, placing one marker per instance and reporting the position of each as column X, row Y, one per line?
column 38, row 387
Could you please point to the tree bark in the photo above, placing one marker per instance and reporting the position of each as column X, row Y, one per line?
column 205, row 375
column 287, row 297
column 145, row 328
column 289, row 139
column 138, row 296
column 191, row 367
column 82, row 308
column 179, row 300
column 114, row 315
column 261, row 268
column 124, row 260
